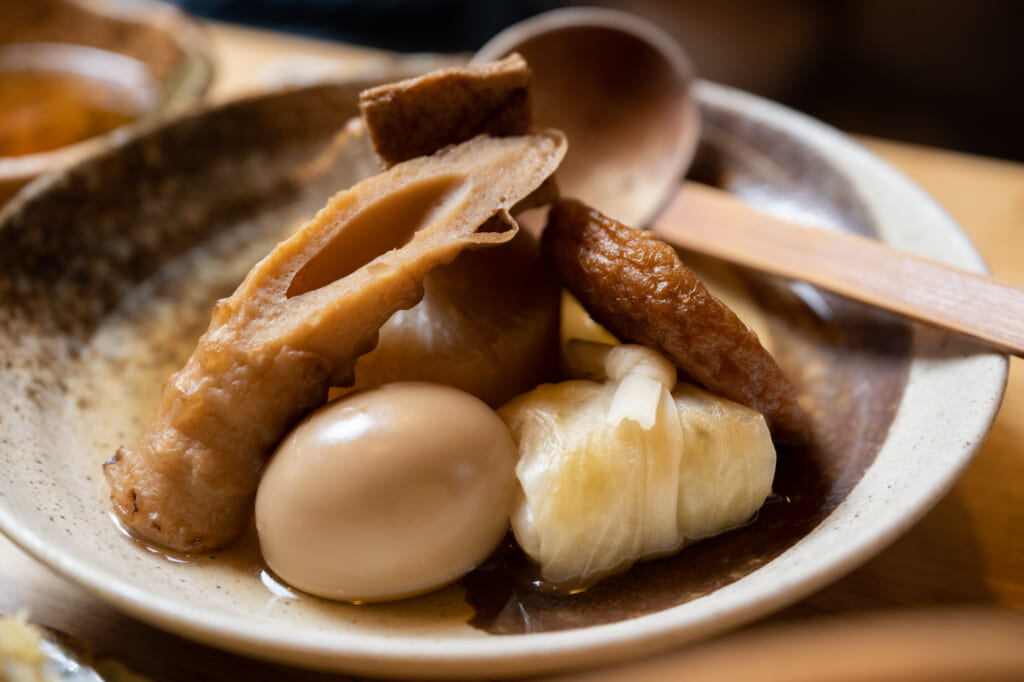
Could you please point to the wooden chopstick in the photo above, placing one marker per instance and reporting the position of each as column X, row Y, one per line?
column 713, row 222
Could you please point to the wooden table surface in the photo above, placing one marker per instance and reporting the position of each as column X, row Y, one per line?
column 967, row 553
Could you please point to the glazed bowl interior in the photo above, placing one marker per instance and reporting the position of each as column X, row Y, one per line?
column 109, row 270
column 147, row 54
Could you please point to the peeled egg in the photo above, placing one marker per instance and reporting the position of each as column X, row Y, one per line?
column 387, row 493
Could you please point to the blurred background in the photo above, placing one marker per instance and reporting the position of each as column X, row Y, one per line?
column 944, row 73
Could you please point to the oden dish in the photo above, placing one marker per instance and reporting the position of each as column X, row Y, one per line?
column 74, row 69
column 685, row 465
column 101, row 303
column 300, row 319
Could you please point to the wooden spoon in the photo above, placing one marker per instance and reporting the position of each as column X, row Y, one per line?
column 715, row 223
column 621, row 90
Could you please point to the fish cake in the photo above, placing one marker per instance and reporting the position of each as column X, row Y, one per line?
column 638, row 288
column 418, row 116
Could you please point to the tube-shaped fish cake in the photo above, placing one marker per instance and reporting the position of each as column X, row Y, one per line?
column 297, row 323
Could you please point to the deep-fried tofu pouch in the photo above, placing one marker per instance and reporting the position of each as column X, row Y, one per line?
column 420, row 115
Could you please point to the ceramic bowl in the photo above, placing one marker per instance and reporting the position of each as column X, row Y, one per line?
column 147, row 49
column 108, row 272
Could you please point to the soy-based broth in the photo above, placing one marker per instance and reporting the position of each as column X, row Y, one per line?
column 45, row 110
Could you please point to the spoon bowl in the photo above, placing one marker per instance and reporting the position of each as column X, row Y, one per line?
column 621, row 90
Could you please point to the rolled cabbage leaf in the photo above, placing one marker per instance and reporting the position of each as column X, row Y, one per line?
column 630, row 466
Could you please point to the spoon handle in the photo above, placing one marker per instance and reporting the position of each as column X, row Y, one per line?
column 713, row 222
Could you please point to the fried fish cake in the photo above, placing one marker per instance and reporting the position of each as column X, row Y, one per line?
column 638, row 288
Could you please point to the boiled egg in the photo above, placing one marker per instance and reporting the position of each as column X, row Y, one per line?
column 387, row 493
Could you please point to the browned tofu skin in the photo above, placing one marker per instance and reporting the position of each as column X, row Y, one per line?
column 418, row 116
column 638, row 288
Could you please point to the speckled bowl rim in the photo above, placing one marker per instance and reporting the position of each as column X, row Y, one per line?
column 952, row 395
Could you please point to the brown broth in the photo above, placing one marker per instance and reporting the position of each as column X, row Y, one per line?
column 849, row 364
column 850, row 370
column 41, row 111
column 850, row 367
